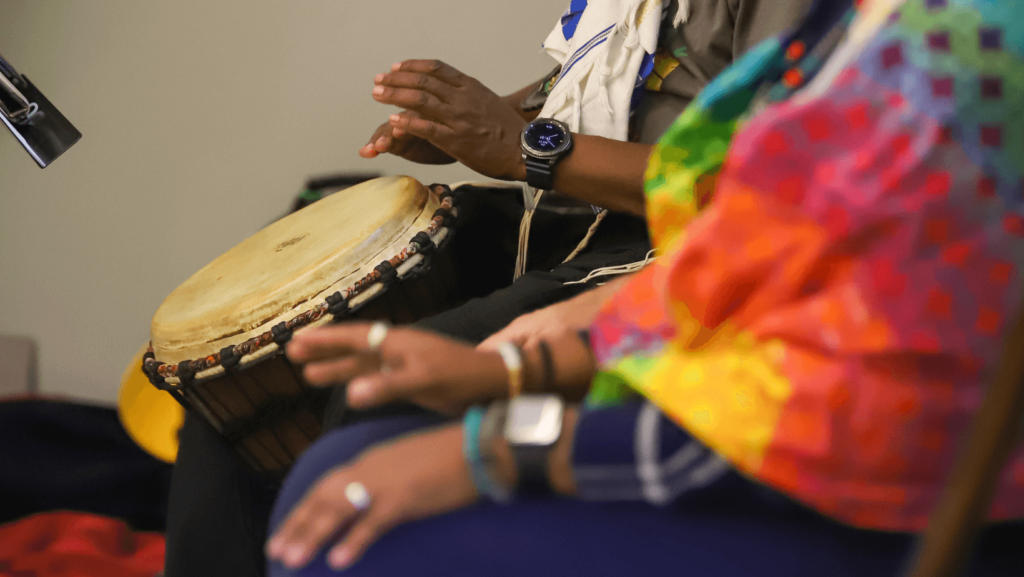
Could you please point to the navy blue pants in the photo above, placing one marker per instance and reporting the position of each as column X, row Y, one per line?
column 732, row 528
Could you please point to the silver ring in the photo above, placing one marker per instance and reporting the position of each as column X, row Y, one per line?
column 375, row 338
column 357, row 495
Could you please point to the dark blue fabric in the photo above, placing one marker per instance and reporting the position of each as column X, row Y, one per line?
column 571, row 18
column 640, row 88
column 619, row 454
column 733, row 528
column 606, row 436
column 58, row 455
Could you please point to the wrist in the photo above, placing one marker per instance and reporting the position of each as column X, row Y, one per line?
column 518, row 172
column 545, row 143
column 559, row 467
column 496, row 384
column 478, row 430
column 560, row 459
column 533, row 372
column 504, row 469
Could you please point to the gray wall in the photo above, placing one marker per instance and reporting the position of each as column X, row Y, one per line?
column 201, row 121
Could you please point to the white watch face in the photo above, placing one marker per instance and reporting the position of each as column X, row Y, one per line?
column 534, row 420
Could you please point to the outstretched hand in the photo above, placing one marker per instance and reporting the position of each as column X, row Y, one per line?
column 432, row 371
column 388, row 139
column 454, row 113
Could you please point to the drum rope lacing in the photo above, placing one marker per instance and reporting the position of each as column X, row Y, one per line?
column 335, row 304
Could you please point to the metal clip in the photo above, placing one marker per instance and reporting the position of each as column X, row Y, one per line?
column 8, row 79
column 27, row 109
column 37, row 124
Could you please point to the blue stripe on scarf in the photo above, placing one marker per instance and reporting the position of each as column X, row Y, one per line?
column 583, row 51
column 571, row 18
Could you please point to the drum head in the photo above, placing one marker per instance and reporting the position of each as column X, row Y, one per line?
column 285, row 267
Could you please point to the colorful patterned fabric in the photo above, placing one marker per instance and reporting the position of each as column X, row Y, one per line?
column 828, row 321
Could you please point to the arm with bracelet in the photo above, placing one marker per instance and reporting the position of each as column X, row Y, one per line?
column 421, row 368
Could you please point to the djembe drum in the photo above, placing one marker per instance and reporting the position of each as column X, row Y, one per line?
column 375, row 251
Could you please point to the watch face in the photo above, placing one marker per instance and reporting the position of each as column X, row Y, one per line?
column 545, row 136
column 534, row 420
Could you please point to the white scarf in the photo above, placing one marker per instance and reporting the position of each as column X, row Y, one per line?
column 601, row 61
column 609, row 42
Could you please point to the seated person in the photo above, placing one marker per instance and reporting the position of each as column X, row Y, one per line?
column 217, row 509
column 786, row 385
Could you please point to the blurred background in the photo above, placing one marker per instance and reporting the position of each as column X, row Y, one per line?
column 201, row 123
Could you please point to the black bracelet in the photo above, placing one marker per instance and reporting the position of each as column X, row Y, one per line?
column 548, row 383
column 584, row 335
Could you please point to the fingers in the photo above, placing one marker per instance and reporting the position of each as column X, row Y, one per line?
column 321, row 514
column 379, row 142
column 514, row 333
column 381, row 388
column 490, row 343
column 429, row 130
column 396, row 132
column 434, row 68
column 420, row 101
column 364, row 533
column 329, row 342
column 417, row 81
column 341, row 370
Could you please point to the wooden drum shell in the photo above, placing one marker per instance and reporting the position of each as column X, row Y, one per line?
column 256, row 399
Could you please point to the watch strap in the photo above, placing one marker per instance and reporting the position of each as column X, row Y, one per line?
column 532, row 469
column 539, row 173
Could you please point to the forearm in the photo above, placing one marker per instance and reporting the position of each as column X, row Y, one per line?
column 604, row 172
column 571, row 370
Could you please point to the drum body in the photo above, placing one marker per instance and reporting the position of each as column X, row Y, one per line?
column 375, row 251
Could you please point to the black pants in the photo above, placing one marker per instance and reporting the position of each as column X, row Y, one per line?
column 218, row 510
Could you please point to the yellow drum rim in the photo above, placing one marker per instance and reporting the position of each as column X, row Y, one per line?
column 150, row 416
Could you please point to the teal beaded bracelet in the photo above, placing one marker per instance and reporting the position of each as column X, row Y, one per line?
column 471, row 450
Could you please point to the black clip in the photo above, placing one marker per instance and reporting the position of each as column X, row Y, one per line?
column 424, row 245
column 446, row 217
column 281, row 333
column 337, row 305
column 228, row 357
column 185, row 373
column 388, row 273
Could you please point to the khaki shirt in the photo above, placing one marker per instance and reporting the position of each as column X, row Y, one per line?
column 688, row 58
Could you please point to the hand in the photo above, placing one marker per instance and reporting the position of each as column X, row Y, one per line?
column 456, row 114
column 430, row 370
column 558, row 321
column 396, row 141
column 409, row 479
column 555, row 321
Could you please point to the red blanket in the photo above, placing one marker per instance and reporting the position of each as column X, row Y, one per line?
column 77, row 544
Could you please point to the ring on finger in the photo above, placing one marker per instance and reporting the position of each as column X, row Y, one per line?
column 375, row 338
column 357, row 495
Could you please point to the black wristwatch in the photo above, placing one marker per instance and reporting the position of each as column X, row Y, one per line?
column 544, row 141
column 532, row 427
